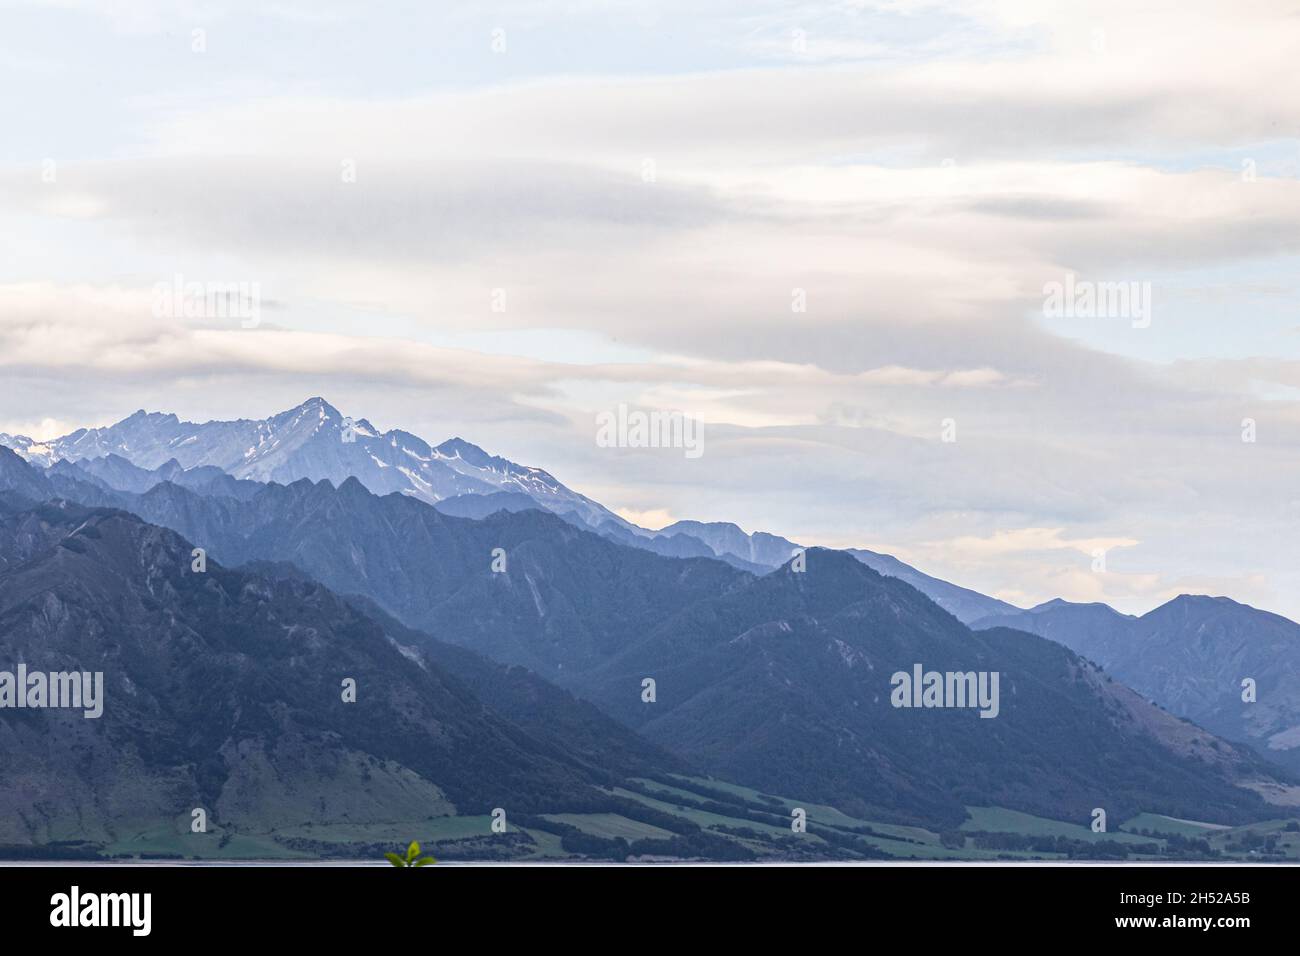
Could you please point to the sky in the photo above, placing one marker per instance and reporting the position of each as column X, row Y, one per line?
column 827, row 232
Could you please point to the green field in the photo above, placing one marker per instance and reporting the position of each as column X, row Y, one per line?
column 755, row 821
column 164, row 841
column 1001, row 820
column 1157, row 823
column 1244, row 842
column 611, row 825
column 817, row 813
column 705, row 818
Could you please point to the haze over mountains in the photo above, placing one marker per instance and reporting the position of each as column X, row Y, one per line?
column 460, row 478
column 774, row 679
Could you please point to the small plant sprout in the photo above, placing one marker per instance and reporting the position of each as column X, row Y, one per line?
column 412, row 857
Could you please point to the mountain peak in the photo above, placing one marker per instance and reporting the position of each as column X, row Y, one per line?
column 140, row 416
column 459, row 444
column 826, row 572
column 1199, row 601
column 1063, row 604
column 1198, row 605
column 315, row 403
column 351, row 487
column 725, row 527
column 466, row 451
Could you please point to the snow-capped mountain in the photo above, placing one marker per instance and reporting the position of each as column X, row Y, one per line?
column 474, row 463
column 315, row 441
column 38, row 453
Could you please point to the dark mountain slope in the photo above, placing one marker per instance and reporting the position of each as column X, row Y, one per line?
column 566, row 599
column 223, row 690
column 545, row 711
column 785, row 685
column 21, row 479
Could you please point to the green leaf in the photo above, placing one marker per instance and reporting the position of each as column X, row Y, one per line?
column 394, row 859
column 425, row 861
column 413, row 850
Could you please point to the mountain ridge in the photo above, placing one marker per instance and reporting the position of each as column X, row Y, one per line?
column 399, row 461
column 1191, row 654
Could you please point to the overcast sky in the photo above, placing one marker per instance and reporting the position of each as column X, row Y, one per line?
column 496, row 220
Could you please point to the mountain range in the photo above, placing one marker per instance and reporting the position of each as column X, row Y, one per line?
column 317, row 442
column 786, row 682
column 1192, row 655
column 313, row 441
column 779, row 682
column 527, row 602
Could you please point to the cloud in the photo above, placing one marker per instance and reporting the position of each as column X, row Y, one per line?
column 655, row 518
column 1021, row 540
column 822, row 255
